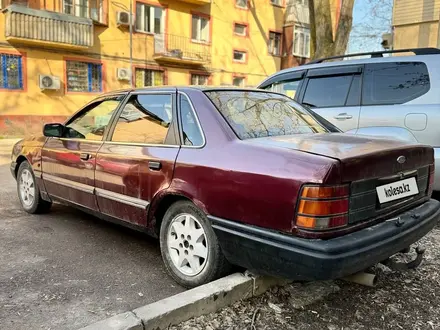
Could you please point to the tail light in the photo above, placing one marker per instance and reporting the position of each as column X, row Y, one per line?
column 323, row 207
column 431, row 179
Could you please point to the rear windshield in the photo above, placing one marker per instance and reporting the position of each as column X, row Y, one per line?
column 260, row 114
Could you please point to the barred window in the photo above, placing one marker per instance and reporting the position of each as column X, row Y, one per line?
column 84, row 77
column 274, row 43
column 145, row 77
column 11, row 74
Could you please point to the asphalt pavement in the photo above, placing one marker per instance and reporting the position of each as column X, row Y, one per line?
column 66, row 269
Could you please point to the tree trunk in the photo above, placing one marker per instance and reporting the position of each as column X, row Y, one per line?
column 321, row 28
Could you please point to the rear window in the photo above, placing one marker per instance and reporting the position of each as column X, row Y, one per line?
column 394, row 83
column 260, row 114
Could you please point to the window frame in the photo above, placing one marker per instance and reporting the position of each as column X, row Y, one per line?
column 180, row 124
column 209, row 25
column 234, row 24
column 333, row 71
column 305, row 31
column 280, row 46
column 22, row 73
column 240, row 7
column 88, row 62
column 173, row 124
column 86, row 107
column 152, row 7
column 151, row 68
column 366, row 70
column 302, row 2
column 197, row 73
column 245, row 52
column 238, row 76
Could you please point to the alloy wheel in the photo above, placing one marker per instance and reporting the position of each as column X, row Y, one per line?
column 187, row 244
column 27, row 188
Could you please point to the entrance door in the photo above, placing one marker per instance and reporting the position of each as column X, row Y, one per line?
column 138, row 160
column 68, row 163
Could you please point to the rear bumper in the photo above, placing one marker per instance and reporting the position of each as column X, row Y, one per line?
column 272, row 253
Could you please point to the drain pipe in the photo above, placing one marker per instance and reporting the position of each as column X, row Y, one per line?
column 362, row 278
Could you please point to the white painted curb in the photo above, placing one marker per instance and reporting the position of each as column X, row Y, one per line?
column 204, row 299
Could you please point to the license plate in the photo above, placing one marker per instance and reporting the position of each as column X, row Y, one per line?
column 397, row 190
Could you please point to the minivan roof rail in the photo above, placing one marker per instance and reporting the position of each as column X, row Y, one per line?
column 416, row 51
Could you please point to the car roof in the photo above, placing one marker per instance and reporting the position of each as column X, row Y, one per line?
column 356, row 61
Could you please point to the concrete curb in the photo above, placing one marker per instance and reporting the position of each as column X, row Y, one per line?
column 204, row 299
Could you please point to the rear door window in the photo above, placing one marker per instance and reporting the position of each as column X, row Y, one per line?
column 331, row 91
column 394, row 83
column 288, row 88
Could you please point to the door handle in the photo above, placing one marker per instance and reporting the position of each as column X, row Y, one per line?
column 343, row 116
column 155, row 166
column 84, row 156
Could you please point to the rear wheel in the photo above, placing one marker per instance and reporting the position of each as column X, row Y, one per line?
column 28, row 191
column 189, row 247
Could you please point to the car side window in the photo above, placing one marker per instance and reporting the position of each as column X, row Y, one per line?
column 287, row 88
column 329, row 91
column 92, row 122
column 394, row 83
column 146, row 118
column 192, row 136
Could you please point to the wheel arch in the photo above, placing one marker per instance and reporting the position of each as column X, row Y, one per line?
column 18, row 162
column 160, row 204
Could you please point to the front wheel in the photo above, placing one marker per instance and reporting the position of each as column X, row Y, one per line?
column 189, row 247
column 28, row 191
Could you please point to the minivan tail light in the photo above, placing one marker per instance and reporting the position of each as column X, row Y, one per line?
column 323, row 207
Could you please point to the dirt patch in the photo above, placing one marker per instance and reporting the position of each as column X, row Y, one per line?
column 408, row 300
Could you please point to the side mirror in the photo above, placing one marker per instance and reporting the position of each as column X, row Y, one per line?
column 53, row 130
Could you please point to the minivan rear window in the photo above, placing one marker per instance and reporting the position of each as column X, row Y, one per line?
column 259, row 114
column 394, row 83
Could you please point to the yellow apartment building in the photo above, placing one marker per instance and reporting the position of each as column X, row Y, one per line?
column 416, row 24
column 56, row 55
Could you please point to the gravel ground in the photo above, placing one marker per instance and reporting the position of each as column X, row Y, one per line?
column 408, row 300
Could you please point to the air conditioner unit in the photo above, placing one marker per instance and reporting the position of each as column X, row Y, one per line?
column 123, row 74
column 123, row 18
column 387, row 41
column 49, row 82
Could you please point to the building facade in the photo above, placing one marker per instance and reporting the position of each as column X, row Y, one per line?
column 416, row 24
column 56, row 55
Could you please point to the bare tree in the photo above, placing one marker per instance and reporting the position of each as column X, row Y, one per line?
column 323, row 42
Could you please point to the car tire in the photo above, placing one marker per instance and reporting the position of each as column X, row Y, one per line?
column 28, row 191
column 189, row 246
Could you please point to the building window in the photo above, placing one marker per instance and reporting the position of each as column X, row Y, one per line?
column 238, row 81
column 11, row 74
column 199, row 79
column 274, row 44
column 302, row 2
column 97, row 10
column 277, row 2
column 84, row 77
column 78, row 8
column 146, row 77
column 301, row 42
column 239, row 56
column 241, row 29
column 241, row 3
column 149, row 19
column 200, row 28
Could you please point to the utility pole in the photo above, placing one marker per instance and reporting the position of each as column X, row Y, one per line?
column 131, row 43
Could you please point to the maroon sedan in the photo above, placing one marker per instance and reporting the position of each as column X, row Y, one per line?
column 233, row 177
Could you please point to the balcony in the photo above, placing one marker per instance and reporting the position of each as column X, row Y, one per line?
column 177, row 49
column 32, row 26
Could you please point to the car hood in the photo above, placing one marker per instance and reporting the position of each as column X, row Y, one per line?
column 360, row 156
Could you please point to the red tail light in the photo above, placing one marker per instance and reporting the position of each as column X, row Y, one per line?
column 323, row 207
column 431, row 179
